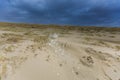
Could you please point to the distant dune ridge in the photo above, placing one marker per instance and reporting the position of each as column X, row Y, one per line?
column 51, row 52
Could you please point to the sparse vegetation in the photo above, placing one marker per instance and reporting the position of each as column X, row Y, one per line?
column 98, row 54
column 87, row 38
column 11, row 38
column 117, row 47
column 112, row 36
column 9, row 48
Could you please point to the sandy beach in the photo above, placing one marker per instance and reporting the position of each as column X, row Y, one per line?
column 59, row 53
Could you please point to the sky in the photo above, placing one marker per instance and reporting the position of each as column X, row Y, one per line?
column 63, row 12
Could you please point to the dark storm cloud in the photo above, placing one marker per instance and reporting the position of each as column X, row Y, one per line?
column 74, row 12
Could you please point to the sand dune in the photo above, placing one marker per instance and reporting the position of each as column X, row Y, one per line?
column 54, row 53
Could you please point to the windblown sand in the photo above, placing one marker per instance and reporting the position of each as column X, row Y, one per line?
column 58, row 54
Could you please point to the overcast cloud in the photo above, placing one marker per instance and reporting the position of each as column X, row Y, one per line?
column 72, row 12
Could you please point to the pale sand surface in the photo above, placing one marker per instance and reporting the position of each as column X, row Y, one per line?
column 58, row 54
